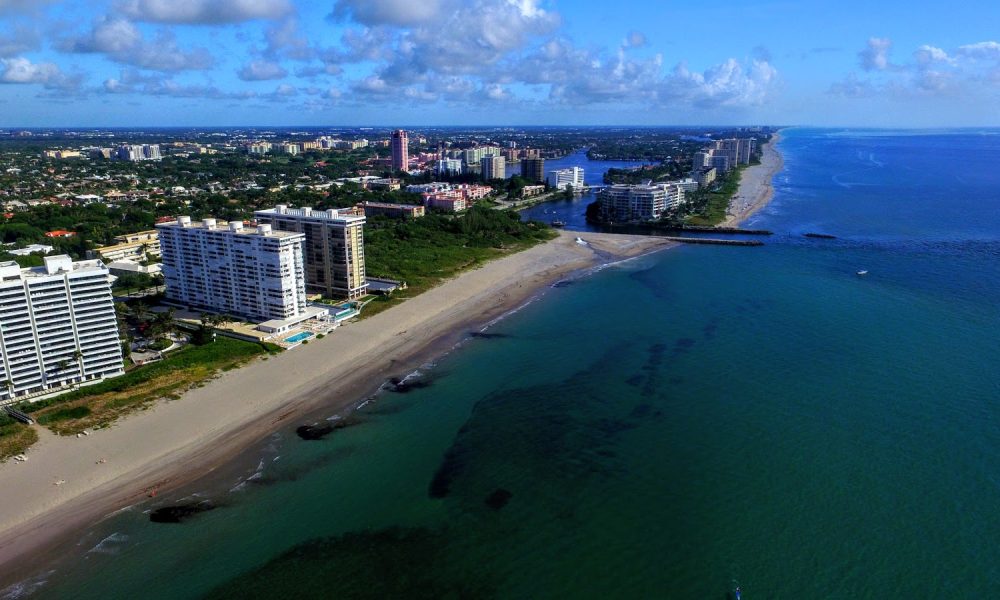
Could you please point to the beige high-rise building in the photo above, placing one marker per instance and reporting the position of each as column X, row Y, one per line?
column 494, row 167
column 334, row 248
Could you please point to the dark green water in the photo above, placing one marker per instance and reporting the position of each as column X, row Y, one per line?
column 663, row 428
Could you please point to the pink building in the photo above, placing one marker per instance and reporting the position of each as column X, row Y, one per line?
column 400, row 151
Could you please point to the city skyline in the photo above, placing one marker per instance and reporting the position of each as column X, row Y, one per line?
column 505, row 62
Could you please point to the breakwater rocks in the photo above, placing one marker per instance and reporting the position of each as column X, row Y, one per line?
column 710, row 229
column 713, row 241
column 820, row 236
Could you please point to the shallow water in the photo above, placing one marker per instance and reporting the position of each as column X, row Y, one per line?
column 667, row 427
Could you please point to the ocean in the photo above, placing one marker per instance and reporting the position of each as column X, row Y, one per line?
column 671, row 426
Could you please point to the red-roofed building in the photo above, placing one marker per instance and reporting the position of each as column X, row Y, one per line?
column 60, row 233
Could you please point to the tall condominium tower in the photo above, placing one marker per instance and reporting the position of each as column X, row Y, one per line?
column 400, row 151
column 533, row 169
column 58, row 327
column 494, row 167
column 256, row 273
column 334, row 248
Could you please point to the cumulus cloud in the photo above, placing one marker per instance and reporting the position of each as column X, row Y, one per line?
column 875, row 57
column 18, row 40
column 401, row 13
column 20, row 70
column 16, row 6
column 261, row 70
column 134, row 82
column 981, row 50
column 932, row 71
column 122, row 42
column 204, row 12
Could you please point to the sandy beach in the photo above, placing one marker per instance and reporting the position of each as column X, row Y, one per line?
column 68, row 483
column 755, row 189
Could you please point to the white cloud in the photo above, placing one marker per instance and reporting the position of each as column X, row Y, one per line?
column 402, row 13
column 18, row 40
column 875, row 57
column 122, row 42
column 209, row 12
column 933, row 71
column 22, row 70
column 16, row 6
column 261, row 70
column 985, row 50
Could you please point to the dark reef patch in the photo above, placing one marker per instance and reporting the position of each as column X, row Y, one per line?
column 482, row 335
column 388, row 563
column 179, row 512
column 318, row 431
column 499, row 498
column 402, row 386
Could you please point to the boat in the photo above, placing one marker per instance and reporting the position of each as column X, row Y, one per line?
column 579, row 240
column 862, row 272
column 558, row 223
column 820, row 236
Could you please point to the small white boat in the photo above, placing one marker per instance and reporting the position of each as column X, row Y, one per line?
column 862, row 272
column 579, row 240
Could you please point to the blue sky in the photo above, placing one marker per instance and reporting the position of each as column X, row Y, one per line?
column 412, row 62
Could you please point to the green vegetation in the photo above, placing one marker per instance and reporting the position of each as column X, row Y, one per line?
column 15, row 437
column 662, row 172
column 101, row 404
column 160, row 344
column 708, row 207
column 423, row 252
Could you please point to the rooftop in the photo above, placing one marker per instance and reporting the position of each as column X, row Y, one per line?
column 234, row 227
column 308, row 212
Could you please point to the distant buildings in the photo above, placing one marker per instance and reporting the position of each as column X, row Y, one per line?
column 400, row 151
column 136, row 152
column 724, row 155
column 494, row 167
column 57, row 327
column 134, row 247
column 449, row 167
column 254, row 273
column 334, row 247
column 561, row 178
column 704, row 176
column 533, row 169
column 449, row 197
column 645, row 202
column 395, row 211
column 61, row 154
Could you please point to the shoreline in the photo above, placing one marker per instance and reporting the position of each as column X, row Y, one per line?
column 176, row 443
column 756, row 185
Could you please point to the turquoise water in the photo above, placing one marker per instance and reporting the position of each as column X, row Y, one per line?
column 664, row 428
column 298, row 337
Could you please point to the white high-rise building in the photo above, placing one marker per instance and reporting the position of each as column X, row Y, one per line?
column 256, row 273
column 561, row 178
column 645, row 202
column 58, row 327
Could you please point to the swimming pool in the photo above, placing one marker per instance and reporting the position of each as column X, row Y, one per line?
column 298, row 337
